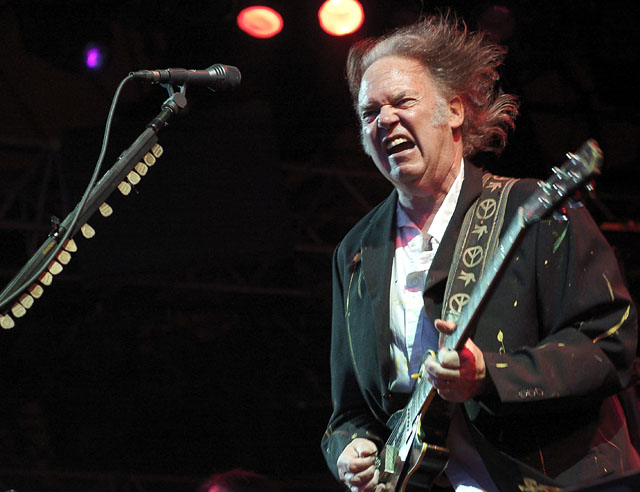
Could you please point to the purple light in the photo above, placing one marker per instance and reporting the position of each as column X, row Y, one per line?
column 93, row 57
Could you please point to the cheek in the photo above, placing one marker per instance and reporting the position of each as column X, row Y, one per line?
column 367, row 139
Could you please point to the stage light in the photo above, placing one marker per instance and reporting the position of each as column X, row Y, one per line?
column 94, row 56
column 341, row 17
column 260, row 21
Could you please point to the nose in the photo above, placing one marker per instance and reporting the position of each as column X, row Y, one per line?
column 387, row 117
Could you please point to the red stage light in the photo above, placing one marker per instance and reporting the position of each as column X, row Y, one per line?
column 260, row 21
column 341, row 17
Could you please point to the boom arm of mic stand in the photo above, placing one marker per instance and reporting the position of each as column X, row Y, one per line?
column 48, row 251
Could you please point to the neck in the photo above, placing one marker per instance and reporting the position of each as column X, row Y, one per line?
column 422, row 208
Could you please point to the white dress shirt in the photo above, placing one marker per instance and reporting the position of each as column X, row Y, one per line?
column 413, row 332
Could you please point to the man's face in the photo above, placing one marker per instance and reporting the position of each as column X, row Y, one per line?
column 407, row 127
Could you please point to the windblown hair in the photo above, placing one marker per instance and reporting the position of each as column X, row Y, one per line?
column 460, row 63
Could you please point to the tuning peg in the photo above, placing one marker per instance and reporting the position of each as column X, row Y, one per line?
column 124, row 187
column 559, row 172
column 544, row 186
column 71, row 246
column 87, row 231
column 544, row 200
column 105, row 209
column 6, row 321
column 133, row 177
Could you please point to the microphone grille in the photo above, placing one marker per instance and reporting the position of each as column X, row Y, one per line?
column 226, row 76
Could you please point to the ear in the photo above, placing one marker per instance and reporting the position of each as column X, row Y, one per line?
column 456, row 112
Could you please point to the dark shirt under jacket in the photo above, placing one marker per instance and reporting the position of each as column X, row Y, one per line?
column 558, row 334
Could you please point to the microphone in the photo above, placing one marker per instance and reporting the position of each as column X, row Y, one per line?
column 215, row 77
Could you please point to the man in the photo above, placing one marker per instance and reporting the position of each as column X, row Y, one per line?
column 556, row 337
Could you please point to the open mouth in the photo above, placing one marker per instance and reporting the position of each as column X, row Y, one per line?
column 398, row 144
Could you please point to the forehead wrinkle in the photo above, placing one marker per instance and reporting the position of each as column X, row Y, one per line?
column 404, row 83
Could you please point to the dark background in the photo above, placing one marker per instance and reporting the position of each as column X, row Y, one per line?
column 191, row 335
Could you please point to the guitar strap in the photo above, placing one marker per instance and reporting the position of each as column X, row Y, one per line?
column 476, row 244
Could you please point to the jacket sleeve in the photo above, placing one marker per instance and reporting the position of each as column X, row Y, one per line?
column 587, row 325
column 351, row 416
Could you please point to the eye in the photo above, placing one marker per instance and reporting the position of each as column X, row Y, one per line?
column 405, row 102
column 368, row 115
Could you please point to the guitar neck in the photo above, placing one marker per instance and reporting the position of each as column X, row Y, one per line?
column 422, row 393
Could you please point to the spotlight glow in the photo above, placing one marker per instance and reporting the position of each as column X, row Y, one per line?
column 260, row 21
column 93, row 57
column 341, row 17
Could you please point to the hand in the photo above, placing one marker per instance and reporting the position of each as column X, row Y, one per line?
column 459, row 375
column 357, row 466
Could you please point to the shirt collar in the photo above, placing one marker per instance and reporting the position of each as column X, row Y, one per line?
column 444, row 213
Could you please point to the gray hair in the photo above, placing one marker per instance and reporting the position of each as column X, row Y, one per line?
column 460, row 63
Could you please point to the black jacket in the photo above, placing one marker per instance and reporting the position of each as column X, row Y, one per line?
column 558, row 334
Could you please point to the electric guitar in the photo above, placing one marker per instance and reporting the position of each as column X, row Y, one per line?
column 414, row 456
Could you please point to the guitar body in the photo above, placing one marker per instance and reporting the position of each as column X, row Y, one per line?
column 424, row 466
column 420, row 461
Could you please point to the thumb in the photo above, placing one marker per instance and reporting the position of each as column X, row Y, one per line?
column 364, row 447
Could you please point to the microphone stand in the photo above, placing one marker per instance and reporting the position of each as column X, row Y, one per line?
column 145, row 147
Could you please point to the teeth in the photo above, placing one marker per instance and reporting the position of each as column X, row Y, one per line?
column 396, row 141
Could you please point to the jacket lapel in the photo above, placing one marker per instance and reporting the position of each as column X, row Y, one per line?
column 377, row 256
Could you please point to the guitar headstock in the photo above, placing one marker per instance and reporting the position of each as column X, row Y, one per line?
column 566, row 180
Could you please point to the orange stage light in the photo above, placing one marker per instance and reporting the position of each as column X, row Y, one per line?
column 260, row 21
column 341, row 17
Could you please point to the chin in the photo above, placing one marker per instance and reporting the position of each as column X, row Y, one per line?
column 407, row 171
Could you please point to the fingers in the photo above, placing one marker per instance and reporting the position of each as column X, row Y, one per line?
column 366, row 480
column 457, row 375
column 356, row 465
